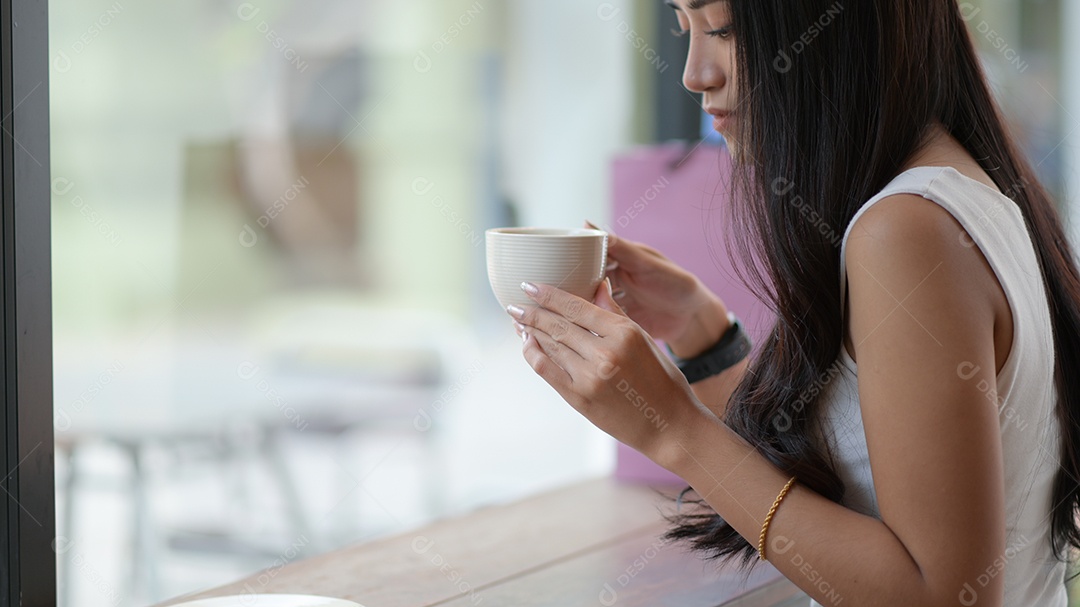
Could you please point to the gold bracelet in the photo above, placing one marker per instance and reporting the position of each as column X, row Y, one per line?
column 768, row 518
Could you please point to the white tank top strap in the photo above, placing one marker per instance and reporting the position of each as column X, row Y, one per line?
column 913, row 181
column 992, row 220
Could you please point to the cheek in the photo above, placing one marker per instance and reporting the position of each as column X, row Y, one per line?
column 729, row 63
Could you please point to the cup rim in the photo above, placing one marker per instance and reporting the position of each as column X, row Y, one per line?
column 527, row 232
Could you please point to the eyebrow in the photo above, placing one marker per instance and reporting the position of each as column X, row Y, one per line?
column 693, row 4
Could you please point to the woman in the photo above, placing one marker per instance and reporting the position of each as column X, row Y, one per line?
column 908, row 433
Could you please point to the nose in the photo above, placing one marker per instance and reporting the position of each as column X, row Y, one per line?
column 704, row 70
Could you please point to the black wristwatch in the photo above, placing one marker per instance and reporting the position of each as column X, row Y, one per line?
column 733, row 346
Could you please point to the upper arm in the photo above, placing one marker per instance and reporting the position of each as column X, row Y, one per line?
column 922, row 323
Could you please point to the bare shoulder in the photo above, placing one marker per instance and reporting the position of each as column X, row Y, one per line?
column 907, row 237
column 907, row 220
column 908, row 255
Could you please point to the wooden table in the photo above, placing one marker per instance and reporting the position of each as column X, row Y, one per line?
column 592, row 543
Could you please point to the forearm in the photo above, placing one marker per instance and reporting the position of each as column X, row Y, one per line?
column 706, row 327
column 834, row 554
column 714, row 392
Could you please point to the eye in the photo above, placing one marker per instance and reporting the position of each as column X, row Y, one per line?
column 723, row 33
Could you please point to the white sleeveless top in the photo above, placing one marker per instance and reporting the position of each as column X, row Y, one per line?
column 1026, row 395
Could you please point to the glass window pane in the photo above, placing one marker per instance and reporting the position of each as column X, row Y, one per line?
column 274, row 331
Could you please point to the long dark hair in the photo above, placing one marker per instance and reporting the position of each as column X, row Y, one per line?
column 838, row 96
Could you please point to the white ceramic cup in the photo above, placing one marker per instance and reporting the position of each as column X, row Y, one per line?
column 572, row 259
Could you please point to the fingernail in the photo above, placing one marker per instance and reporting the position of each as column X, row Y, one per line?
column 611, row 266
column 520, row 327
column 618, row 294
column 515, row 311
column 530, row 288
column 596, row 227
column 524, row 336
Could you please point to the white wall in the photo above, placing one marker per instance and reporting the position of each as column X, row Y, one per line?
column 567, row 107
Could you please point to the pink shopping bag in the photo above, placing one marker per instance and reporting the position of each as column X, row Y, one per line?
column 674, row 198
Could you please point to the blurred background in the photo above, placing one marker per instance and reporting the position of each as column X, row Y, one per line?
column 273, row 329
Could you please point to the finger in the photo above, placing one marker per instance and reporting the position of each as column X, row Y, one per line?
column 605, row 299
column 554, row 325
column 611, row 263
column 629, row 306
column 624, row 248
column 543, row 364
column 621, row 287
column 574, row 309
column 619, row 280
column 629, row 255
column 620, row 292
column 568, row 360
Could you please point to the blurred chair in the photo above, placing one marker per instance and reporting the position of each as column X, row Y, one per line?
column 349, row 370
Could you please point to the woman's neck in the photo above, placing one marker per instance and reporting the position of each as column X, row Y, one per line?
column 941, row 149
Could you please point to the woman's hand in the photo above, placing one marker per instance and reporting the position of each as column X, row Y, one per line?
column 669, row 303
column 608, row 368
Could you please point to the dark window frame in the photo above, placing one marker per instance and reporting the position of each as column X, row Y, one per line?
column 28, row 498
column 678, row 113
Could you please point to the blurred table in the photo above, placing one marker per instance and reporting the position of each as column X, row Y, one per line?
column 223, row 391
column 593, row 543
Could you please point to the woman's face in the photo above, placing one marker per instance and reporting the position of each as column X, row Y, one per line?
column 710, row 65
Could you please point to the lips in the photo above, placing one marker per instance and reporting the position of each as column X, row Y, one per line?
column 722, row 119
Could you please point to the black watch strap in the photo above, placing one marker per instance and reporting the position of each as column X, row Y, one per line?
column 733, row 346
